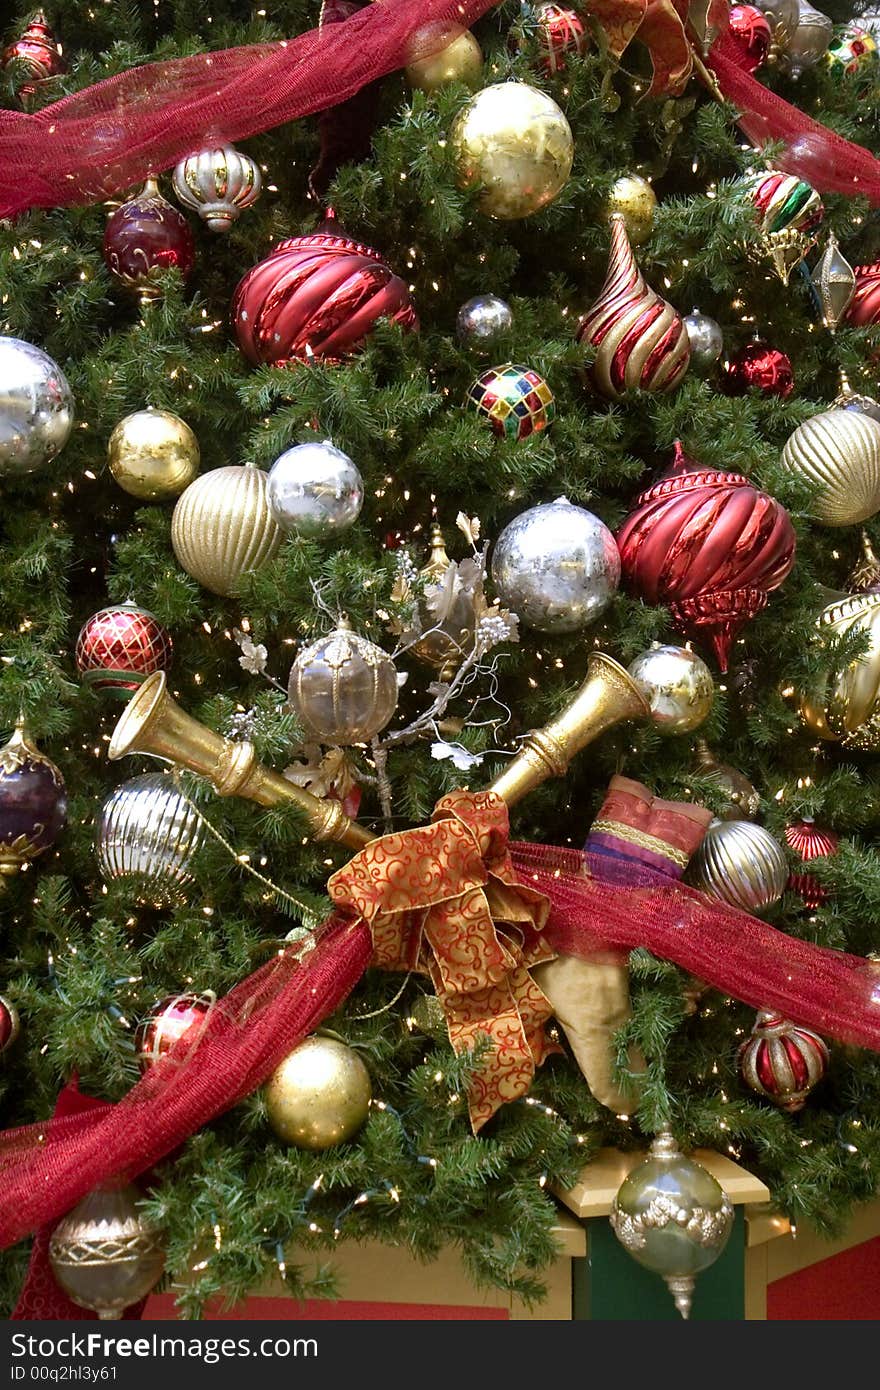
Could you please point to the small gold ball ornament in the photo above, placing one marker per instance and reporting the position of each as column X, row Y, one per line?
column 515, row 144
column 319, row 1095
column 634, row 198
column 460, row 61
column 222, row 528
column 153, row 454
column 104, row 1254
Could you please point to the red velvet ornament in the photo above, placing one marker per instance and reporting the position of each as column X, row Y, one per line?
column 168, row 1021
column 9, row 1023
column 751, row 34
column 144, row 236
column 709, row 545
column 758, row 366
column 316, row 296
column 864, row 307
column 782, row 1061
column 40, row 55
column 119, row 646
column 561, row 32
column 810, row 842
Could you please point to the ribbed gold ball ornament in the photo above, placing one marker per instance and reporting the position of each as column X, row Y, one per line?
column 343, row 687
column 741, row 864
column 105, row 1254
column 845, row 706
column 222, row 528
column 514, row 143
column 634, row 198
column 319, row 1095
column 460, row 61
column 153, row 454
column 839, row 452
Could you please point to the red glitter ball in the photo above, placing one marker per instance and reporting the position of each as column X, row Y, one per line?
column 760, row 367
column 751, row 34
column 146, row 235
column 119, row 646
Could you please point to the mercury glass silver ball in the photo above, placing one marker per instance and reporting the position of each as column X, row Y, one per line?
column 36, row 408
column 706, row 340
column 482, row 321
column 315, row 490
column 556, row 566
column 678, row 686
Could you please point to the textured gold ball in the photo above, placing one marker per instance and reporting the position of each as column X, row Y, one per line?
column 104, row 1254
column 222, row 528
column 634, row 198
column 845, row 706
column 838, row 451
column 153, row 454
column 677, row 685
column 460, row 61
column 516, row 145
column 319, row 1095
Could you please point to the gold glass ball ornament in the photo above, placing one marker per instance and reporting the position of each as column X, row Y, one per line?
column 634, row 198
column 461, row 60
column 105, row 1254
column 678, row 686
column 343, row 687
column 741, row 864
column 153, row 454
column 319, row 1095
column 838, row 451
column 514, row 143
column 844, row 707
column 222, row 527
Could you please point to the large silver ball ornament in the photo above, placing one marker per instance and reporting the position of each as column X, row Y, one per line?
column 218, row 183
column 315, row 490
column 706, row 340
column 482, row 320
column 556, row 566
column 36, row 408
column 147, row 837
column 741, row 864
column 678, row 686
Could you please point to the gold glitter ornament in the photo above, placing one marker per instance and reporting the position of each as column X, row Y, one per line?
column 319, row 1095
column 635, row 200
column 105, row 1254
column 222, row 528
column 460, row 61
column 838, row 451
column 343, row 688
column 153, row 454
column 515, row 144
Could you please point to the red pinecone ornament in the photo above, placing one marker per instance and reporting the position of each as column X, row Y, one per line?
column 39, row 53
column 144, row 236
column 119, row 646
column 711, row 546
column 864, row 307
column 760, row 367
column 751, row 34
column 316, row 296
column 169, row 1020
column 810, row 842
column 561, row 33
column 782, row 1061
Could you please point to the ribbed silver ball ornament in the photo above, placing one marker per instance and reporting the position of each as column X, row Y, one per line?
column 147, row 837
column 838, row 451
column 36, row 408
column 218, row 183
column 741, row 864
column 315, row 490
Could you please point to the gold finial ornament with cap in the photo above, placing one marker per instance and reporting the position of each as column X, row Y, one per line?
column 448, row 617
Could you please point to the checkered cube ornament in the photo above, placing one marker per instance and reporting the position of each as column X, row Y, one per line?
column 515, row 400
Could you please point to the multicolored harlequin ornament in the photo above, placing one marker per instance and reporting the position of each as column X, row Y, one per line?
column 119, row 646
column 758, row 367
column 864, row 307
column 751, row 34
column 316, row 296
column 515, row 400
column 218, row 183
column 789, row 214
column 175, row 1016
column 709, row 545
column 782, row 1061
column 808, row 840
column 39, row 53
column 10, row 1023
column 562, row 35
column 33, row 803
column 852, row 50
column 640, row 341
column 144, row 237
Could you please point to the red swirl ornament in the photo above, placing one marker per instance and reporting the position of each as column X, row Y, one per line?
column 119, row 646
column 640, row 341
column 711, row 546
column 864, row 307
column 316, row 296
column 810, row 841
column 39, row 53
column 782, row 1061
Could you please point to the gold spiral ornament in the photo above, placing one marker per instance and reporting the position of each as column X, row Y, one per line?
column 640, row 341
column 222, row 527
column 839, row 452
column 845, row 706
column 741, row 864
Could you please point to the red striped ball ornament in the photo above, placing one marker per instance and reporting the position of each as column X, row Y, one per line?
column 810, row 841
column 782, row 1061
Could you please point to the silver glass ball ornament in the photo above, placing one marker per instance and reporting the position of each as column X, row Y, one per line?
column 105, row 1254
column 706, row 340
column 741, row 864
column 36, row 408
column 678, row 686
column 343, row 688
column 782, row 16
column 147, row 837
column 315, row 490
column 810, row 40
column 556, row 566
column 482, row 321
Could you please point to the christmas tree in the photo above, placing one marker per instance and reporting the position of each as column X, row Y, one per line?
column 370, row 433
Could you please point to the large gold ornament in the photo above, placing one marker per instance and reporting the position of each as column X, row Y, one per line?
column 460, row 61
column 634, row 198
column 222, row 527
column 839, row 452
column 343, row 687
column 104, row 1254
column 153, row 454
column 845, row 706
column 740, row 863
column 319, row 1095
column 515, row 143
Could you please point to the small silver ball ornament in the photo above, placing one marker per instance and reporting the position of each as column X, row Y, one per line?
column 556, row 566
column 678, row 686
column 482, row 321
column 315, row 490
column 343, row 688
column 36, row 408
column 706, row 340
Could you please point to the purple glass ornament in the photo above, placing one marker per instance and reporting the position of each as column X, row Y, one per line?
column 144, row 236
column 33, row 802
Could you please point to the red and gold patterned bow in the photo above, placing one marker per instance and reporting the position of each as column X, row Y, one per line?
column 661, row 25
column 444, row 900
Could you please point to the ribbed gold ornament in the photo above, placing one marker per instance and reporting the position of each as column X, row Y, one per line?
column 222, row 527
column 741, row 864
column 845, row 707
column 153, row 454
column 839, row 452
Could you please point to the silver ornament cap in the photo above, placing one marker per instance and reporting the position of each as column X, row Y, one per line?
column 36, row 408
column 706, row 340
column 556, row 566
column 483, row 320
column 315, row 490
